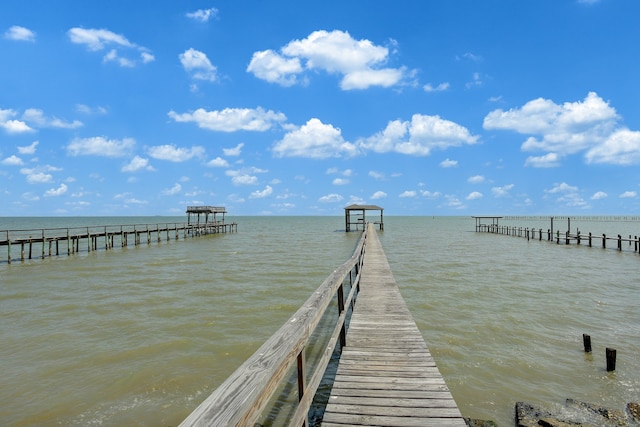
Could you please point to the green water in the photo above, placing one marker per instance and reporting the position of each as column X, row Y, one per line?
column 141, row 335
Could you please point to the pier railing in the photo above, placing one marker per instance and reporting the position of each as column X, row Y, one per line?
column 632, row 243
column 47, row 242
column 243, row 397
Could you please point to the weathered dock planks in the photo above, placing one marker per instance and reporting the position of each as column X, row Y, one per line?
column 386, row 375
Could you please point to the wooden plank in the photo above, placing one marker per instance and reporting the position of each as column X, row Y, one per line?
column 386, row 375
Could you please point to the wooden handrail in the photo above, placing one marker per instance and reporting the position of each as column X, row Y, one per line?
column 241, row 399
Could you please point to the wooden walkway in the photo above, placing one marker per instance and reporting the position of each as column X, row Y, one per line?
column 386, row 375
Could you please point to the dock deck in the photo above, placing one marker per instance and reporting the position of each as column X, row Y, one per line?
column 386, row 375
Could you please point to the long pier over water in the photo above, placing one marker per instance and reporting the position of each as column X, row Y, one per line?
column 385, row 376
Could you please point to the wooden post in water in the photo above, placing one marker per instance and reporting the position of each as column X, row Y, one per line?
column 8, row 248
column 43, row 247
column 604, row 240
column 611, row 359
column 589, row 239
column 619, row 242
column 586, row 339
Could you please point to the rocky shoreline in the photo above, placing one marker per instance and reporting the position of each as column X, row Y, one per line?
column 572, row 414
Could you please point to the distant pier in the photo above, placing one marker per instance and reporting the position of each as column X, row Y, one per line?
column 41, row 243
column 490, row 224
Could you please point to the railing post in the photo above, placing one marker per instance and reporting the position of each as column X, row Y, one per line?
column 302, row 379
column 343, row 330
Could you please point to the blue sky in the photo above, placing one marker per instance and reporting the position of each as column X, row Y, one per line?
column 438, row 107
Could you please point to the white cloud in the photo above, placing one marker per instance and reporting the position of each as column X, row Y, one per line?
column 268, row 190
column 562, row 188
column 549, row 160
column 10, row 125
column 620, row 148
column 629, row 195
column 340, row 181
column 100, row 146
column 136, row 164
column 430, row 194
column 502, row 191
column 359, row 62
column 35, row 177
column 243, row 177
column 202, row 15
column 55, row 192
column 440, row 88
column 235, row 151
column 376, row 175
column 232, row 119
column 37, row 117
column 408, row 193
column 175, row 154
column 448, row 163
column 477, row 179
column 29, row 149
column 331, row 198
column 418, row 137
column 99, row 39
column 378, row 195
column 474, row 195
column 85, row 109
column 198, row 65
column 475, row 82
column 314, row 140
column 599, row 195
column 176, row 189
column 588, row 125
column 218, row 162
column 19, row 33
column 12, row 161
column 274, row 68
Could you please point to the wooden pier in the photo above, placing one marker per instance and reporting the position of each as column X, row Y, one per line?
column 41, row 243
column 591, row 240
column 386, row 375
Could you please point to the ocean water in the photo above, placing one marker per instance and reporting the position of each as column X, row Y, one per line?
column 139, row 336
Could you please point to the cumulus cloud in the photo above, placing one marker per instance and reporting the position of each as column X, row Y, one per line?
column 476, row 179
column 55, row 192
column 408, row 194
column 620, row 148
column 12, row 161
column 176, row 189
column 474, row 195
column 136, row 164
column 549, row 160
column 37, row 117
column 589, row 126
column 378, row 195
column 268, row 190
column 562, row 187
column 100, row 146
column 202, row 15
column 233, row 152
column 440, row 88
column 29, row 149
column 629, row 195
column 331, row 198
column 218, row 162
column 502, row 191
column 99, row 39
column 419, row 136
column 19, row 33
column 599, row 195
column 314, row 140
column 359, row 62
column 198, row 65
column 175, row 154
column 11, row 125
column 448, row 163
column 232, row 119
